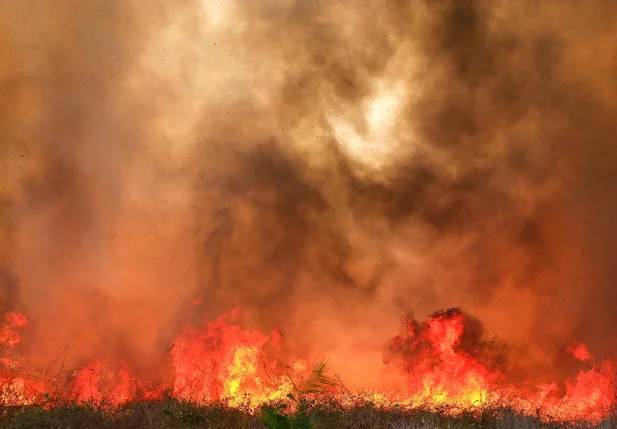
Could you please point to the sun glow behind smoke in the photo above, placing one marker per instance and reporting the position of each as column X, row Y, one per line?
column 376, row 143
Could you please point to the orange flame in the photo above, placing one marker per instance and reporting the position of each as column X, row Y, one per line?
column 223, row 362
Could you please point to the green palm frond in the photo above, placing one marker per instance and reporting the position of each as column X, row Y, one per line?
column 320, row 380
column 318, row 383
column 301, row 419
column 274, row 419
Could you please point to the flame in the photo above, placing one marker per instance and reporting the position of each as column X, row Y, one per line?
column 444, row 375
column 579, row 351
column 226, row 363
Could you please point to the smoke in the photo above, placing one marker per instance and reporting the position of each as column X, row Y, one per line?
column 328, row 166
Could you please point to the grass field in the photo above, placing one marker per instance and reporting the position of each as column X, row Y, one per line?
column 171, row 413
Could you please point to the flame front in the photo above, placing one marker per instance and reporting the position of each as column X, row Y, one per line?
column 225, row 363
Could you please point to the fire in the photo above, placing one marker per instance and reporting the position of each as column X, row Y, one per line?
column 579, row 351
column 442, row 374
column 15, row 387
column 98, row 384
column 225, row 362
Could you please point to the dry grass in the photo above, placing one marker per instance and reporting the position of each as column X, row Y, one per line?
column 170, row 413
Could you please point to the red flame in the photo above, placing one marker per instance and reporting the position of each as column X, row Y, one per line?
column 579, row 351
column 224, row 362
column 439, row 372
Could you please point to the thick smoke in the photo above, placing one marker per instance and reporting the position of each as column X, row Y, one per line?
column 328, row 166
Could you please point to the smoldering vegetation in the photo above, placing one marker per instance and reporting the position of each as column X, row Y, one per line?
column 327, row 166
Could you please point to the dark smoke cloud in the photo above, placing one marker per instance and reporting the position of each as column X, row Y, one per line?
column 211, row 149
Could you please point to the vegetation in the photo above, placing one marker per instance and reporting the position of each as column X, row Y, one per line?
column 309, row 407
column 173, row 414
column 301, row 416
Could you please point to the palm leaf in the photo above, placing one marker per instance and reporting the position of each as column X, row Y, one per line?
column 320, row 379
column 301, row 419
column 274, row 419
column 318, row 382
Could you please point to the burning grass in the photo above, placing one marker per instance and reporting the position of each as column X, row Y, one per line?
column 228, row 376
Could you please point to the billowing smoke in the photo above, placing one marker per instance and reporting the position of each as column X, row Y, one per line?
column 329, row 166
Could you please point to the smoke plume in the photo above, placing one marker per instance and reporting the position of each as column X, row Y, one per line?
column 329, row 166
